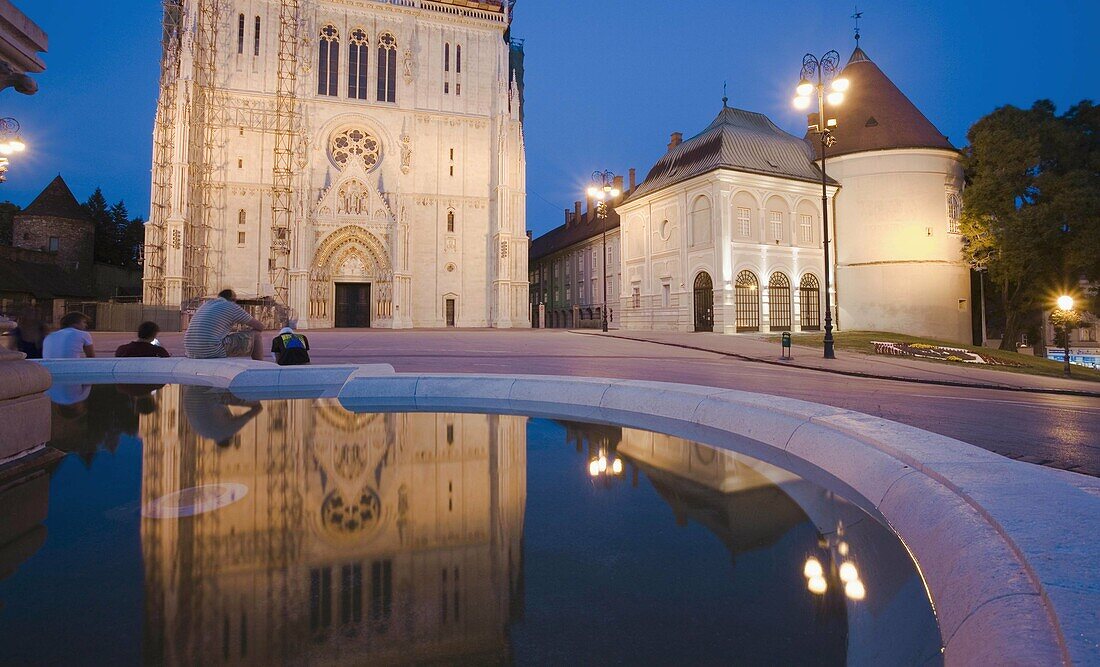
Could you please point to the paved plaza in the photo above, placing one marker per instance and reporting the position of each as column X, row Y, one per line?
column 1061, row 431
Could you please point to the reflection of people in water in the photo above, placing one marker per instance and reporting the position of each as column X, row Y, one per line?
column 143, row 397
column 69, row 395
column 207, row 411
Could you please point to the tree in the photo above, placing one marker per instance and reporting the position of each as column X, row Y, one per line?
column 106, row 233
column 8, row 211
column 1031, row 205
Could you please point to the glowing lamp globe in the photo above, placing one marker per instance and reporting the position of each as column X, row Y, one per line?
column 1065, row 302
column 804, row 88
column 835, row 98
column 812, row 568
column 840, row 85
column 802, row 102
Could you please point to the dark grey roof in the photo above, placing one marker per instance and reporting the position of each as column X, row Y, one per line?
column 56, row 201
column 738, row 140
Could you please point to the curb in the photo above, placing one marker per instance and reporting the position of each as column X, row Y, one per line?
column 872, row 376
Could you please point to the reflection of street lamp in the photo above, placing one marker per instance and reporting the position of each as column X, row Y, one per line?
column 602, row 189
column 824, row 69
column 601, row 465
column 847, row 573
column 1065, row 318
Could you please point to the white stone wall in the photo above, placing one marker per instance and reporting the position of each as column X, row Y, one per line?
column 457, row 151
column 665, row 247
column 899, row 265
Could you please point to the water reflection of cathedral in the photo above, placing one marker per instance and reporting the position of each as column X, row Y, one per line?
column 348, row 537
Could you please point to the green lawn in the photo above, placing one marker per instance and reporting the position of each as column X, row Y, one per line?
column 860, row 341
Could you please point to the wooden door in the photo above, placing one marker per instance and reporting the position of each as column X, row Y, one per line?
column 353, row 305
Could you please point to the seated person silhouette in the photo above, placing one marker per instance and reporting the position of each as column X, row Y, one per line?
column 207, row 411
column 289, row 347
column 146, row 344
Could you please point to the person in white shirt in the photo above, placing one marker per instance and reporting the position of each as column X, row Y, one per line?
column 71, row 341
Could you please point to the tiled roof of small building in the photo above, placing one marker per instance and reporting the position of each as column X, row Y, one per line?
column 739, row 140
column 56, row 201
column 876, row 115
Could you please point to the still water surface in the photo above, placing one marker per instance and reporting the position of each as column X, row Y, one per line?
column 186, row 526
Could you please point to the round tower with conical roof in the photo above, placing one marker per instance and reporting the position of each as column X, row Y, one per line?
column 898, row 256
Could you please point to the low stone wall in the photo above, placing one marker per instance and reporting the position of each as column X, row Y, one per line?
column 1007, row 549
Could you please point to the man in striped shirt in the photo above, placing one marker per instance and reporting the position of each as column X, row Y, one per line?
column 210, row 333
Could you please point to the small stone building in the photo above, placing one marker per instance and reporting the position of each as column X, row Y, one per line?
column 56, row 223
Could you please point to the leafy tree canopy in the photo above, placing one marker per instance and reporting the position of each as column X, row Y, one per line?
column 1031, row 208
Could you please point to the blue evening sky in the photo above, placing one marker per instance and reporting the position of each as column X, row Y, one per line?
column 607, row 81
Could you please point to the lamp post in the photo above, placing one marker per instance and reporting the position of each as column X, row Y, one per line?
column 10, row 142
column 824, row 70
column 1065, row 318
column 603, row 189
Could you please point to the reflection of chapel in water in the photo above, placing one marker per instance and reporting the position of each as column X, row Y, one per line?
column 362, row 537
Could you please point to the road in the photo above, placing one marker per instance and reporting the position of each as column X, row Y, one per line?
column 1059, row 431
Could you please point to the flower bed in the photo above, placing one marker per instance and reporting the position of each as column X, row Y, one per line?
column 938, row 352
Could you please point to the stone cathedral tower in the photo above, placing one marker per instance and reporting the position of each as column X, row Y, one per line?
column 362, row 163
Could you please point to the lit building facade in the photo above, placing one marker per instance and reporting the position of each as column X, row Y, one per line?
column 360, row 163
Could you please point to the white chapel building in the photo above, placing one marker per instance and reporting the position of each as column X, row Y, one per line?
column 361, row 163
column 725, row 232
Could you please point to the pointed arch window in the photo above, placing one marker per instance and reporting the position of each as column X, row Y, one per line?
column 450, row 221
column 240, row 34
column 446, row 68
column 357, row 65
column 458, row 69
column 387, row 68
column 328, row 61
column 256, row 38
column 954, row 213
column 242, row 217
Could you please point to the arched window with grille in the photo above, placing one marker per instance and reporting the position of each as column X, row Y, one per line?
column 242, row 217
column 700, row 221
column 256, row 37
column 328, row 61
column 357, row 65
column 747, row 297
column 447, row 68
column 779, row 302
column 450, row 221
column 240, row 34
column 809, row 296
column 387, row 68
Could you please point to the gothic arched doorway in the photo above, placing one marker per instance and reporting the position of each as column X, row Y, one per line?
column 351, row 281
column 704, row 302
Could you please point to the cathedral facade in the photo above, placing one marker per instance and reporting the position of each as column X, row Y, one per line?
column 361, row 163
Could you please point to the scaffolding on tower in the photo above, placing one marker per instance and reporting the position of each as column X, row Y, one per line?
column 201, row 152
column 163, row 143
column 286, row 131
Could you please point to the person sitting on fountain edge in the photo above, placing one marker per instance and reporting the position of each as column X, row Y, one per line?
column 145, row 345
column 289, row 347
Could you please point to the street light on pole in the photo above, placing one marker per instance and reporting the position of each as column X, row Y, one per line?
column 602, row 190
column 1066, row 319
column 824, row 71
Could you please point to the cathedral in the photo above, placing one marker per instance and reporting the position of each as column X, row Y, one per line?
column 361, row 164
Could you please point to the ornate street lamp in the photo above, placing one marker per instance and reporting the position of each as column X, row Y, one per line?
column 10, row 143
column 603, row 190
column 1066, row 318
column 824, row 71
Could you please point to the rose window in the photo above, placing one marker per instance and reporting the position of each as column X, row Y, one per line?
column 355, row 144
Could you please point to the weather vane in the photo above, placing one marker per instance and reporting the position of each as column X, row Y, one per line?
column 857, row 15
column 725, row 97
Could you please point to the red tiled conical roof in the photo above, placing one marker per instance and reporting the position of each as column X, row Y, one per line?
column 56, row 201
column 876, row 115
